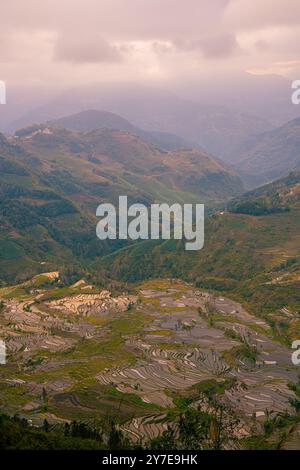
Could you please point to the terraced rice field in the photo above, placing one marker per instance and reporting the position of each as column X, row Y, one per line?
column 133, row 356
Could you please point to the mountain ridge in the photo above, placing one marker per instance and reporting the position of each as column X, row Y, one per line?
column 53, row 179
column 217, row 129
column 272, row 154
column 93, row 119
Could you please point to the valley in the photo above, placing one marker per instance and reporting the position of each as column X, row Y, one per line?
column 145, row 340
column 149, row 231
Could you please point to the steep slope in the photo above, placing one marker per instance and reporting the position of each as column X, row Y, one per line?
column 52, row 181
column 272, row 154
column 92, row 119
column 39, row 223
column 122, row 160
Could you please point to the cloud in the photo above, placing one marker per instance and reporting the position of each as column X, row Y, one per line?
column 222, row 45
column 256, row 14
column 121, row 19
column 73, row 42
column 212, row 46
column 83, row 49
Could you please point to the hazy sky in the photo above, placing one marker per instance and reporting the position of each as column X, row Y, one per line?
column 70, row 42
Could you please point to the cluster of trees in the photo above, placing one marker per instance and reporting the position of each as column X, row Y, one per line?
column 256, row 207
column 17, row 433
column 193, row 429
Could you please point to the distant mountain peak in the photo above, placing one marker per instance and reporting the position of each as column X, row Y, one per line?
column 93, row 119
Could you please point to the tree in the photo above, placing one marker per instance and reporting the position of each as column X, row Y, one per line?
column 46, row 425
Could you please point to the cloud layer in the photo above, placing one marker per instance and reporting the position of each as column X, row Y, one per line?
column 65, row 41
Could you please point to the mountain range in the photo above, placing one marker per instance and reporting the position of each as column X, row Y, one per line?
column 233, row 307
column 54, row 175
column 52, row 180
column 263, row 158
column 218, row 129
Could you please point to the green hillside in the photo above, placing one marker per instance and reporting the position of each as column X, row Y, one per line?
column 39, row 224
column 52, row 180
column 111, row 161
column 279, row 196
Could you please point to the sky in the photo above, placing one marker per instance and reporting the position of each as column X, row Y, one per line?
column 62, row 43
